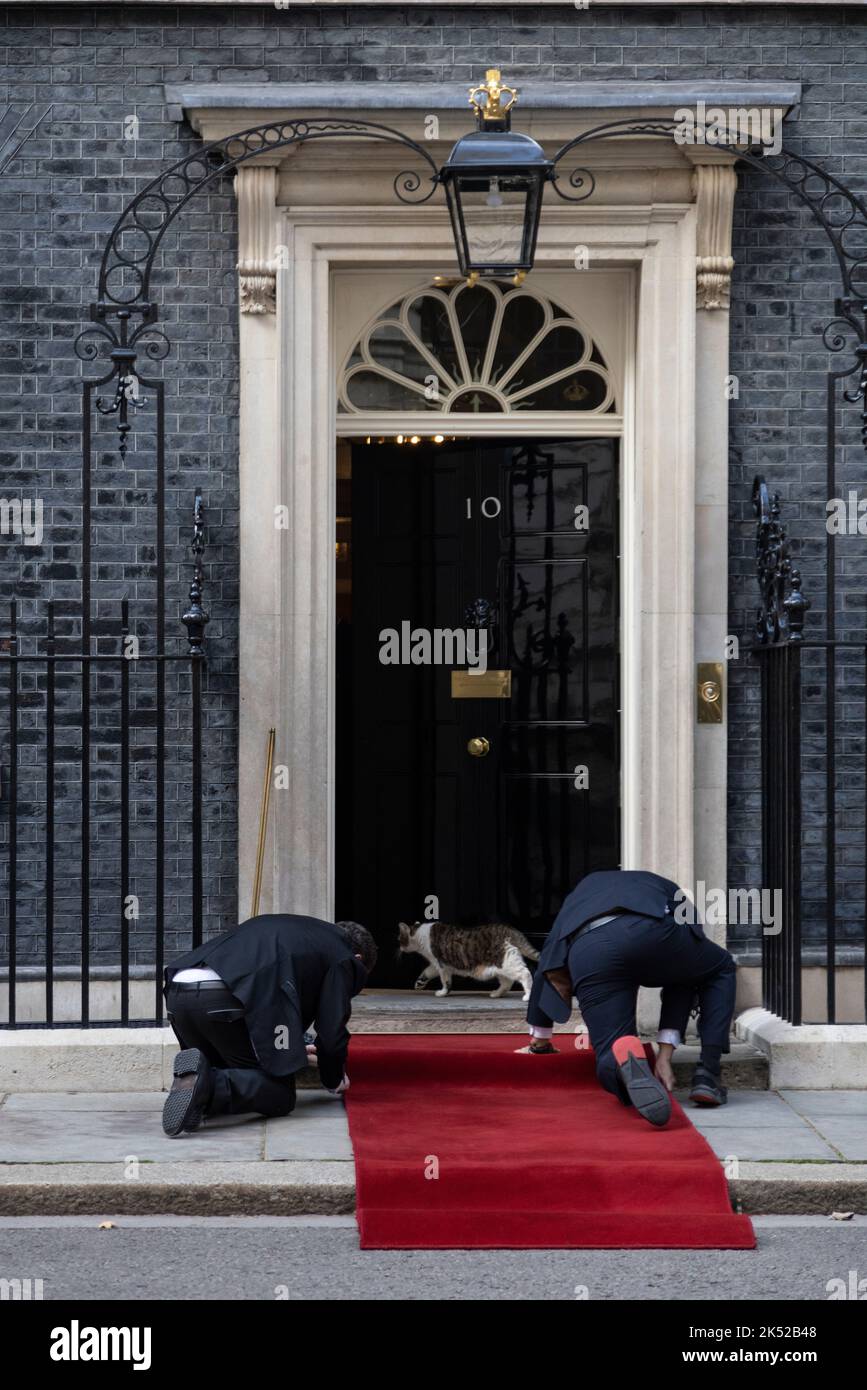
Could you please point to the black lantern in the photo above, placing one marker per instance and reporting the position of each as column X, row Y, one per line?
column 494, row 181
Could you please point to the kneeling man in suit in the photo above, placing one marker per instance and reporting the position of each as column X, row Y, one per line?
column 616, row 931
column 240, row 1005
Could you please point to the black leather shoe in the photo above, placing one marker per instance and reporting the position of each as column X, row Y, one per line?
column 648, row 1095
column 707, row 1088
column 191, row 1091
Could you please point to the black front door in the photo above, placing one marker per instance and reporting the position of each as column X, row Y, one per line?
column 455, row 800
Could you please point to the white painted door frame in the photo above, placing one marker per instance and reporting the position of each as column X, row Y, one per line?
column 288, row 409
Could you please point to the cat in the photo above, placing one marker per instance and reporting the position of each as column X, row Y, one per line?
column 491, row 952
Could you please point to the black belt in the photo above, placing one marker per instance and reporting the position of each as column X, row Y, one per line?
column 596, row 922
column 199, row 984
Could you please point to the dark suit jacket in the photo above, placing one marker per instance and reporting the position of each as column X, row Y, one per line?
column 289, row 972
column 630, row 890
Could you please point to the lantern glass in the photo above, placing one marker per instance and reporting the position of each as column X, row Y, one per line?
column 493, row 214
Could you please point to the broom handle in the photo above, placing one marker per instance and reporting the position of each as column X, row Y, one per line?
column 263, row 824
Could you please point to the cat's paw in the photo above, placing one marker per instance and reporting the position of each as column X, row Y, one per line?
column 441, row 993
column 420, row 982
column 526, row 996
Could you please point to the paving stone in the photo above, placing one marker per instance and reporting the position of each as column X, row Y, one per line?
column 753, row 1142
column 315, row 1130
column 111, row 1137
column 47, row 1102
column 746, row 1109
column 847, row 1134
column 820, row 1103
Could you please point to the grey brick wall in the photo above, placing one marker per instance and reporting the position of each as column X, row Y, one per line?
column 103, row 64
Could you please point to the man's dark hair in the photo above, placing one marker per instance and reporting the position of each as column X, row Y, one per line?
column 361, row 942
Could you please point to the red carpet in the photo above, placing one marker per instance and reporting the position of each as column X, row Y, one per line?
column 531, row 1153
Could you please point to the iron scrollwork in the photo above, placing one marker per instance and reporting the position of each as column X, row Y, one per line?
column 124, row 315
column 125, row 342
column 780, row 617
column 840, row 212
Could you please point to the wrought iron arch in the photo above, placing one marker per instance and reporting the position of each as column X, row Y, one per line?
column 129, row 254
column 794, row 171
column 124, row 292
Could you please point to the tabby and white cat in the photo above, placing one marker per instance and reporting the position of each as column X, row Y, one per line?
column 492, row 952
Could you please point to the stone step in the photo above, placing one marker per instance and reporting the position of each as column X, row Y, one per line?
column 407, row 1011
column 744, row 1069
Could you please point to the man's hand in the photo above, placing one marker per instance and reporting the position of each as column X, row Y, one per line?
column 540, row 1041
column 344, row 1086
column 312, row 1057
column 663, row 1067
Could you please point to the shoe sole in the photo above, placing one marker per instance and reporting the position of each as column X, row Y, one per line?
column 178, row 1103
column 707, row 1099
column 648, row 1095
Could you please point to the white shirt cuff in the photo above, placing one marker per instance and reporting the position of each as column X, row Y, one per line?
column 537, row 1032
column 669, row 1035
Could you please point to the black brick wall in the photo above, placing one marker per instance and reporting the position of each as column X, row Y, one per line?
column 103, row 64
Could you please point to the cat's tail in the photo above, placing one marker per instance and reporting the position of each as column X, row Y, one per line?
column 523, row 944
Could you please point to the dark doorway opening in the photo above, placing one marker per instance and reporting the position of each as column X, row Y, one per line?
column 461, row 802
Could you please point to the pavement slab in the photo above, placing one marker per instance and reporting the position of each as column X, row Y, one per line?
column 316, row 1130
column 748, row 1109
column 113, row 1136
column 777, row 1142
column 821, row 1103
column 46, row 1102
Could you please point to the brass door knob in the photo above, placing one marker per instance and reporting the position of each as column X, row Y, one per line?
column 478, row 747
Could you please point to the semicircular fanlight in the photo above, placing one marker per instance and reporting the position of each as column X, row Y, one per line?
column 487, row 348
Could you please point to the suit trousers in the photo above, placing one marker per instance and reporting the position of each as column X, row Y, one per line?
column 213, row 1021
column 608, row 965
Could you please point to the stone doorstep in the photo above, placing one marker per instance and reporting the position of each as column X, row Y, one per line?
column 140, row 1059
column 328, row 1189
column 744, row 1069
column 811, row 1056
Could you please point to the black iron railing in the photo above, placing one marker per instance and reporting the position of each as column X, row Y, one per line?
column 98, row 744
column 814, row 786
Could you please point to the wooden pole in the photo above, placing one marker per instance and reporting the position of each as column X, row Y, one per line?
column 263, row 823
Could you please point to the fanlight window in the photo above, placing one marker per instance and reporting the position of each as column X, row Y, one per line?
column 475, row 348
